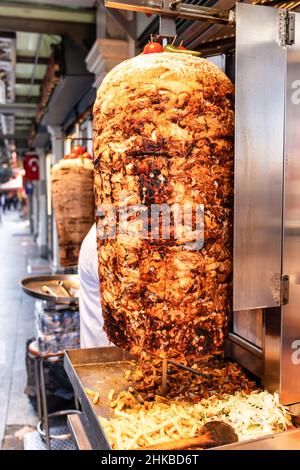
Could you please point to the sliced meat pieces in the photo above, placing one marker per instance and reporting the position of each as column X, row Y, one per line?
column 164, row 127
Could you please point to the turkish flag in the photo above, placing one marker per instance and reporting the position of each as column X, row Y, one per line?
column 31, row 167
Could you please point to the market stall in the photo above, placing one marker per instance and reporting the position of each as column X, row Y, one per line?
column 163, row 134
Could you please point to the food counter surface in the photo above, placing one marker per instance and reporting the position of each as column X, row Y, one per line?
column 289, row 440
column 95, row 372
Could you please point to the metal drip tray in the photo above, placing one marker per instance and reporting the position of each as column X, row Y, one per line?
column 99, row 369
column 33, row 286
column 102, row 369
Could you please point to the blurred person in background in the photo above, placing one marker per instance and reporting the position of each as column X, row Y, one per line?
column 2, row 206
column 2, row 202
column 15, row 201
column 7, row 202
column 10, row 200
column 23, row 204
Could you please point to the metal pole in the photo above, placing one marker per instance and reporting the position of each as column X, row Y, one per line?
column 164, row 378
column 44, row 404
column 38, row 387
column 36, row 60
column 175, row 10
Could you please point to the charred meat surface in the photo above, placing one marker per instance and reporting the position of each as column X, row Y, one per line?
column 163, row 135
column 72, row 183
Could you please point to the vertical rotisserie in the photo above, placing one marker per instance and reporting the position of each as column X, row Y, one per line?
column 164, row 136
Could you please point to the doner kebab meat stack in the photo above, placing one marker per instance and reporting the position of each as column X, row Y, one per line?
column 164, row 127
column 72, row 186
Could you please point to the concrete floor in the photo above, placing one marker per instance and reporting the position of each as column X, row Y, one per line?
column 16, row 326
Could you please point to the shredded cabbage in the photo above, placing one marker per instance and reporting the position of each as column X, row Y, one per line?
column 252, row 415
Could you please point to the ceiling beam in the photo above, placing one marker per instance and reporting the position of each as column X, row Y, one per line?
column 28, row 109
column 48, row 20
column 74, row 30
column 54, row 13
column 16, row 136
column 24, row 124
column 27, row 81
column 7, row 35
column 24, row 59
column 28, row 99
column 129, row 26
column 23, row 118
column 216, row 46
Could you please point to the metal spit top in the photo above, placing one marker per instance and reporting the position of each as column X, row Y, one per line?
column 170, row 10
column 175, row 9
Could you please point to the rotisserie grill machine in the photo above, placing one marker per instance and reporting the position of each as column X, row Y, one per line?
column 265, row 336
column 265, row 330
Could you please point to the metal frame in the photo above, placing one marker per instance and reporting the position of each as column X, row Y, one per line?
column 79, row 428
column 43, row 426
column 246, row 354
column 263, row 35
column 91, row 357
column 267, row 209
column 174, row 9
column 290, row 325
column 85, row 427
column 129, row 26
column 288, row 440
column 259, row 143
column 265, row 254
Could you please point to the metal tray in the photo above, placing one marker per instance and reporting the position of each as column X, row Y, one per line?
column 99, row 369
column 102, row 369
column 32, row 286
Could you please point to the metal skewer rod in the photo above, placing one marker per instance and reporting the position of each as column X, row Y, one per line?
column 73, row 138
column 164, row 378
column 66, row 292
column 47, row 290
column 190, row 369
column 175, row 9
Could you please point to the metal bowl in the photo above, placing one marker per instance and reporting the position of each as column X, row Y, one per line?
column 35, row 287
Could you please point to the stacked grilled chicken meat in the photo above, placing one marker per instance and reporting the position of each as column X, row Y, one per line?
column 164, row 135
column 73, row 201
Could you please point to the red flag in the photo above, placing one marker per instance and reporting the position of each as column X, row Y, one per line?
column 31, row 167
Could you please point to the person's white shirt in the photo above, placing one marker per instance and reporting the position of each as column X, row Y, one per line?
column 92, row 334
